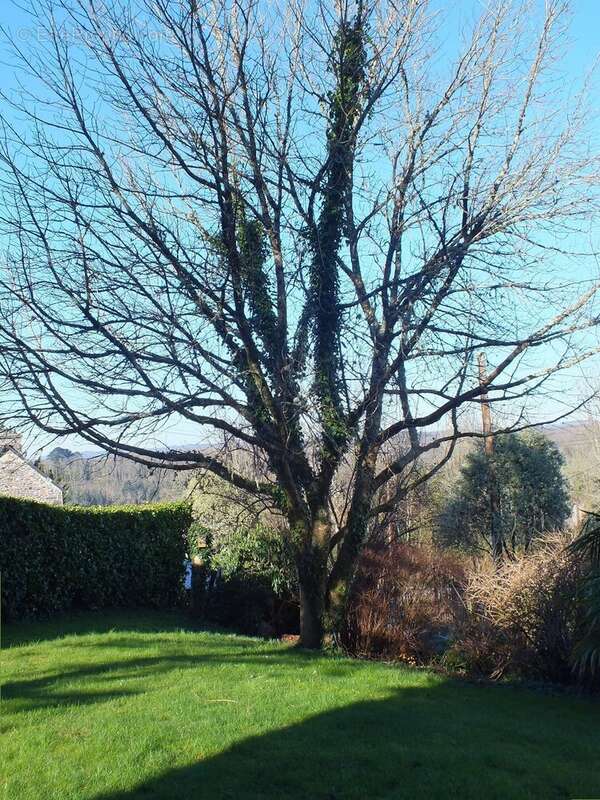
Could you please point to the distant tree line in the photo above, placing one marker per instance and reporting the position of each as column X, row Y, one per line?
column 107, row 480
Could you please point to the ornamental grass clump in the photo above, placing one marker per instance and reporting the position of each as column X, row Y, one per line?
column 523, row 617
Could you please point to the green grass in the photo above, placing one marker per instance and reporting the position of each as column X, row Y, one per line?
column 139, row 706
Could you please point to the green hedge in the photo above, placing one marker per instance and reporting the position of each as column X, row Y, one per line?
column 56, row 558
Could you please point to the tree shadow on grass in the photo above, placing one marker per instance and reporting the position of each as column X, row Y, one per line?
column 98, row 622
column 416, row 743
column 47, row 691
column 31, row 701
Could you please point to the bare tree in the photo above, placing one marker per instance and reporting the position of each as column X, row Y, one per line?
column 292, row 225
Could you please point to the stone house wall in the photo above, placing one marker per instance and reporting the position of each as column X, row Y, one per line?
column 19, row 479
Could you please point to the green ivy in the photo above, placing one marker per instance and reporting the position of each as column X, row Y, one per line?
column 345, row 103
column 253, row 252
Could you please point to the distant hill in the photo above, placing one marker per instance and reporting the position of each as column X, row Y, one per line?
column 90, row 479
column 62, row 454
column 107, row 480
column 579, row 442
column 569, row 436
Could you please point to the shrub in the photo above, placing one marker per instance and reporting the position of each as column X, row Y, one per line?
column 245, row 603
column 56, row 558
column 523, row 618
column 405, row 602
column 586, row 548
column 420, row 604
column 248, row 582
column 256, row 550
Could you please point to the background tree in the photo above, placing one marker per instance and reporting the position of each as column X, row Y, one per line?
column 531, row 492
column 291, row 226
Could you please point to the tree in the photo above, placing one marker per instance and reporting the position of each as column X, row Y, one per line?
column 290, row 226
column 532, row 496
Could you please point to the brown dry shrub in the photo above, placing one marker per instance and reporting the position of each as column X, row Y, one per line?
column 523, row 618
column 406, row 602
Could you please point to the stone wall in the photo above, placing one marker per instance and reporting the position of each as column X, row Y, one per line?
column 19, row 479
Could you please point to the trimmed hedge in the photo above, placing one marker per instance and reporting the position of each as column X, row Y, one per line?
column 59, row 558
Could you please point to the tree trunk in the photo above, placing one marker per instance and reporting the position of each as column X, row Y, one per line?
column 355, row 536
column 496, row 536
column 312, row 576
column 311, row 619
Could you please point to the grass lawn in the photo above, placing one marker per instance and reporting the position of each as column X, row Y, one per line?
column 141, row 706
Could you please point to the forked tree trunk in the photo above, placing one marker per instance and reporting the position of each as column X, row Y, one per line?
column 355, row 536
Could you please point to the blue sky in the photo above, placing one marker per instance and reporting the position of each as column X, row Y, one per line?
column 585, row 28
column 584, row 49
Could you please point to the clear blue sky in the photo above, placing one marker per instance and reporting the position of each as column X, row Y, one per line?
column 585, row 30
